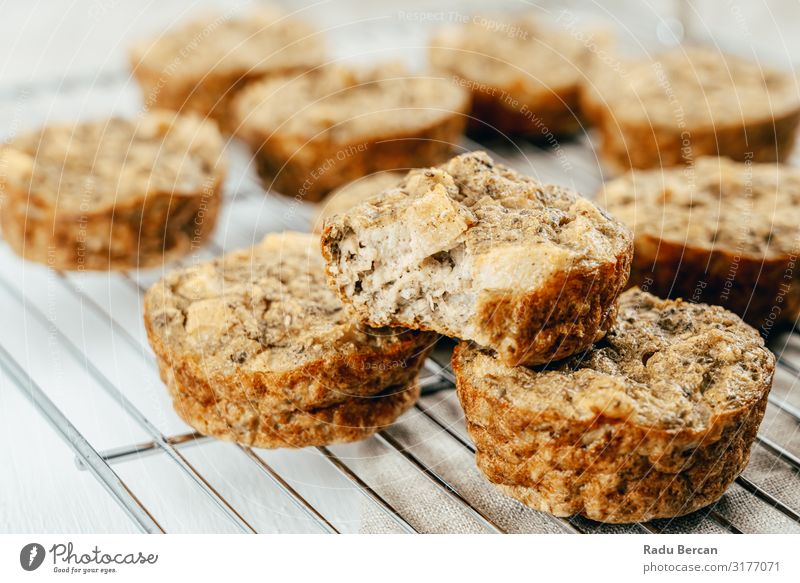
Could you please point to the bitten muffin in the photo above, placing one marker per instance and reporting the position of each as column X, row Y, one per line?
column 346, row 197
column 318, row 131
column 201, row 65
column 690, row 102
column 524, row 75
column 477, row 251
column 112, row 194
column 655, row 421
column 255, row 348
column 721, row 232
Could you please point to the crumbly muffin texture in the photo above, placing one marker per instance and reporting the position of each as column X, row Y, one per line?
column 315, row 132
column 113, row 193
column 721, row 232
column 689, row 102
column 665, row 365
column 346, row 197
column 476, row 251
column 654, row 421
column 199, row 66
column 260, row 324
column 524, row 74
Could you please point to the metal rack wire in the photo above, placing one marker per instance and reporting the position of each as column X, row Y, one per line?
column 761, row 498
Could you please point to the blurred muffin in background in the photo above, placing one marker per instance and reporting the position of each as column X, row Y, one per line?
column 524, row 75
column 201, row 65
column 312, row 133
column 720, row 232
column 112, row 193
column 689, row 102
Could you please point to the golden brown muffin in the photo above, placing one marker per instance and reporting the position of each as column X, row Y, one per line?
column 477, row 251
column 690, row 102
column 655, row 421
column 201, row 65
column 112, row 194
column 722, row 232
column 255, row 348
column 524, row 75
column 318, row 131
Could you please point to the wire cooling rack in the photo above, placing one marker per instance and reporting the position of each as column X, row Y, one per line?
column 416, row 476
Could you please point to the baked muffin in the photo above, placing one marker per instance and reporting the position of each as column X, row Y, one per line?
column 346, row 197
column 724, row 233
column 255, row 348
column 201, row 65
column 691, row 102
column 654, row 421
column 524, row 75
column 477, row 251
column 112, row 194
column 313, row 133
